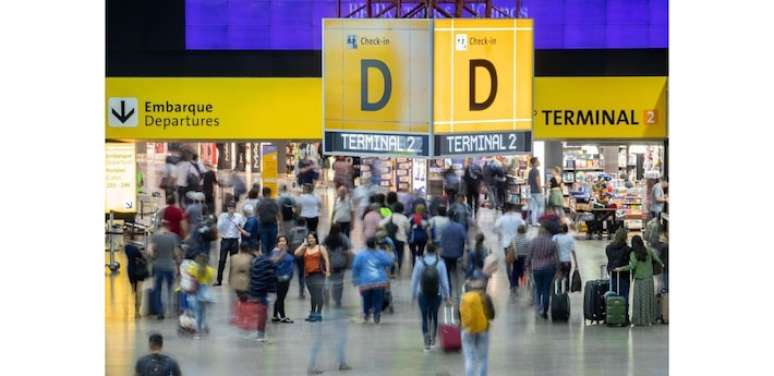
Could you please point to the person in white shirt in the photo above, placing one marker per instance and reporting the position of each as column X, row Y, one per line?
column 310, row 207
column 229, row 228
column 566, row 244
column 342, row 211
column 505, row 227
column 182, row 170
column 401, row 235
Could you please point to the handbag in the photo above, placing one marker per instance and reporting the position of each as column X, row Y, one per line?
column 339, row 259
column 510, row 255
column 575, row 285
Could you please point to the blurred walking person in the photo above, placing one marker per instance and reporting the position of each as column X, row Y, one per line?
column 397, row 227
column 476, row 313
column 269, row 217
column 537, row 201
column 263, row 280
column 163, row 251
column 369, row 275
column 338, row 245
column 310, row 207
column 287, row 205
column 543, row 261
column 419, row 234
column 506, row 227
column 430, row 286
column 342, row 211
column 453, row 241
column 297, row 236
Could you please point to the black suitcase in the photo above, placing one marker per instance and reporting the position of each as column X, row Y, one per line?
column 594, row 300
column 560, row 301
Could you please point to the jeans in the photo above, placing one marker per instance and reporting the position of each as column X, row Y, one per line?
column 417, row 250
column 428, row 307
column 537, row 205
column 340, row 326
column 311, row 223
column 300, row 274
column 622, row 290
column 399, row 245
column 279, row 304
column 475, row 348
column 268, row 235
column 159, row 275
column 315, row 283
column 543, row 279
column 227, row 247
column 451, row 272
column 262, row 308
column 472, row 197
column 373, row 299
column 346, row 228
column 336, row 286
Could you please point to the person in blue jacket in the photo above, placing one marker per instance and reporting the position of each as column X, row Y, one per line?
column 369, row 274
column 284, row 262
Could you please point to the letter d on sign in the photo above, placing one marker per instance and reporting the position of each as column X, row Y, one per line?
column 475, row 63
column 365, row 64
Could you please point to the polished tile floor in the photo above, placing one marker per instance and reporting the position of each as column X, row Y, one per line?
column 521, row 343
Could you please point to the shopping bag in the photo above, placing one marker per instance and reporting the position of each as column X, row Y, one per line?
column 245, row 315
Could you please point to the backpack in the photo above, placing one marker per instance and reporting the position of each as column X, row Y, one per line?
column 418, row 233
column 391, row 227
column 429, row 278
column 158, row 365
column 287, row 208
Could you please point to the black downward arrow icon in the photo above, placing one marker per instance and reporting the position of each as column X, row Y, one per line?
column 124, row 116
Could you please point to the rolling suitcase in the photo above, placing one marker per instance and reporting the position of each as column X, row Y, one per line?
column 560, row 302
column 615, row 306
column 662, row 301
column 449, row 331
column 594, row 298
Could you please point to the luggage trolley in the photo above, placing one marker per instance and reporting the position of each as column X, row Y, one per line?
column 112, row 229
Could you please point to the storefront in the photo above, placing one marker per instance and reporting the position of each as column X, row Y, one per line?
column 604, row 133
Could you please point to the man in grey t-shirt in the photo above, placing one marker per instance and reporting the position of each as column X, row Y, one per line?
column 163, row 248
column 658, row 198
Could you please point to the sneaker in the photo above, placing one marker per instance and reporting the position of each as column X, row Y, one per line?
column 216, row 284
column 286, row 320
column 314, row 371
column 345, row 367
column 309, row 319
column 276, row 319
column 427, row 348
column 197, row 337
column 377, row 319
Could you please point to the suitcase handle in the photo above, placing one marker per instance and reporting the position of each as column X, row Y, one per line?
column 618, row 284
column 447, row 312
column 557, row 283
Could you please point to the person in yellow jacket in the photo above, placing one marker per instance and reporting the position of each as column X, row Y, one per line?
column 204, row 276
column 476, row 312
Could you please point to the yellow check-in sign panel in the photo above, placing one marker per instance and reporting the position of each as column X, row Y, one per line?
column 483, row 75
column 377, row 75
column 600, row 108
column 186, row 108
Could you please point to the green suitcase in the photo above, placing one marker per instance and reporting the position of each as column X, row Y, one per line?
column 615, row 306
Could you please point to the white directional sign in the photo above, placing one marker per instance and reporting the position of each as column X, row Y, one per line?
column 122, row 112
column 120, row 179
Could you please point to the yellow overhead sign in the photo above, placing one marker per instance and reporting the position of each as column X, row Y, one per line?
column 600, row 108
column 120, row 179
column 212, row 108
column 377, row 74
column 483, row 75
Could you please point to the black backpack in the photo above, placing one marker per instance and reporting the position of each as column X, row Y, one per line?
column 392, row 228
column 286, row 207
column 157, row 365
column 428, row 281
